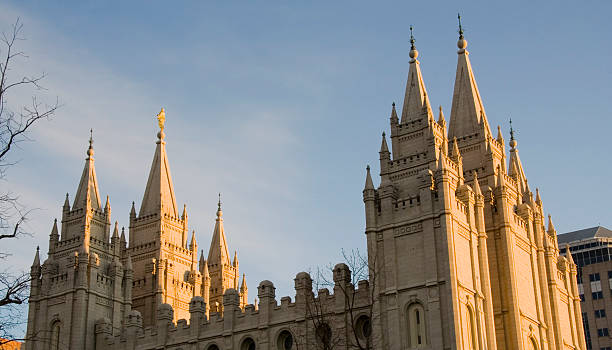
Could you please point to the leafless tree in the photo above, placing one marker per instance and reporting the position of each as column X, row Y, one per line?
column 355, row 322
column 16, row 121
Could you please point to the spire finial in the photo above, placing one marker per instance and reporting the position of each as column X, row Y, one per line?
column 90, row 151
column 462, row 43
column 219, row 203
column 413, row 51
column 219, row 212
column 161, row 120
column 512, row 140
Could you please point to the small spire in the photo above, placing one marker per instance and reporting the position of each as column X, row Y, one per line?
column 133, row 210
column 383, row 146
column 235, row 263
column 500, row 176
column 413, row 51
column 500, row 138
column 456, row 153
column 116, row 230
column 243, row 286
column 205, row 270
column 538, row 199
column 441, row 119
column 107, row 205
column 369, row 185
column 394, row 118
column 193, row 240
column 54, row 229
column 441, row 159
column 551, row 227
column 202, row 260
column 568, row 254
column 67, row 202
column 122, row 234
column 219, row 211
column 37, row 257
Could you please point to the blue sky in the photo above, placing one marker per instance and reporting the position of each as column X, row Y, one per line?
column 280, row 106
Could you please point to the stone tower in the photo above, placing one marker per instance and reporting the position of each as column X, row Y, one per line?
column 463, row 258
column 221, row 273
column 87, row 275
column 165, row 263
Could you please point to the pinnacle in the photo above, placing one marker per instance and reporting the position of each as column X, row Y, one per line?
column 551, row 227
column 54, row 229
column 383, row 146
column 37, row 257
column 369, row 185
column 116, row 230
column 476, row 188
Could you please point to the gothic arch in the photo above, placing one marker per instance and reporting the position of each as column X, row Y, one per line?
column 285, row 340
column 416, row 325
column 470, row 340
column 55, row 342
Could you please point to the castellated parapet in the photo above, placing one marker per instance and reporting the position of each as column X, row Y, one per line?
column 265, row 323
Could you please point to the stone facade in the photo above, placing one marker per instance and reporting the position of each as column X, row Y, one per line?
column 457, row 248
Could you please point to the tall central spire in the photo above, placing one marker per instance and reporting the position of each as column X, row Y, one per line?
column 159, row 193
column 468, row 116
column 416, row 101
column 88, row 186
column 218, row 253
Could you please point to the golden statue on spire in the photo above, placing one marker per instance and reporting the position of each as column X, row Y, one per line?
column 161, row 119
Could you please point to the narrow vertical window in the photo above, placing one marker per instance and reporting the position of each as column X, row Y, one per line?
column 55, row 336
column 417, row 336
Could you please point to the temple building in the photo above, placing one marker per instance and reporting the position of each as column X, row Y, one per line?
column 460, row 252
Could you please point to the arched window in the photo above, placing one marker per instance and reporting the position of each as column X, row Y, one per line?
column 213, row 347
column 55, row 336
column 469, row 330
column 248, row 344
column 285, row 341
column 417, row 330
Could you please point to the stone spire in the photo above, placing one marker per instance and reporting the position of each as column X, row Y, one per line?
column 394, row 119
column 37, row 257
column 218, row 253
column 87, row 192
column 415, row 98
column 515, row 166
column 383, row 146
column 159, row 193
column 468, row 116
column 369, row 185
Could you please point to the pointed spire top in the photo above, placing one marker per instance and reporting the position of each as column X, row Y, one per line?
column 122, row 234
column 87, row 192
column 513, row 142
column 538, row 198
column 193, row 240
column 568, row 254
column 205, row 269
column 243, row 286
column 235, row 263
column 394, row 118
column 159, row 192
column 219, row 211
column 500, row 138
column 90, row 150
column 67, row 202
column 37, row 257
column 184, row 215
column 383, row 146
column 413, row 51
column 456, row 153
column 218, row 254
column 116, row 230
column 551, row 227
column 460, row 27
column 369, row 185
column 54, row 229
column 441, row 119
